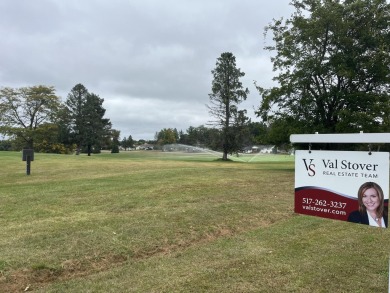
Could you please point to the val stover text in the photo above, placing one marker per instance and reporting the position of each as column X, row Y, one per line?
column 346, row 165
column 324, row 203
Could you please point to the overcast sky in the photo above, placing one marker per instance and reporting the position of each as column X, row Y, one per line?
column 150, row 60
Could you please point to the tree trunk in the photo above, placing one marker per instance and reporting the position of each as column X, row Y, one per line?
column 225, row 155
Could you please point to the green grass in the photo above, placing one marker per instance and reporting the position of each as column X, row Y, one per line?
column 165, row 222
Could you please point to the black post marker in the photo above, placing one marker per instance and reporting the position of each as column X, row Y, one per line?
column 28, row 165
column 28, row 156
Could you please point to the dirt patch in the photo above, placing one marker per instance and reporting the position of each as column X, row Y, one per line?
column 38, row 277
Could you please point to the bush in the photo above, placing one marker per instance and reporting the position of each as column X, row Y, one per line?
column 115, row 149
column 5, row 145
column 55, row 148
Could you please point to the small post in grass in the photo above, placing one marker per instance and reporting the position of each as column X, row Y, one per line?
column 28, row 157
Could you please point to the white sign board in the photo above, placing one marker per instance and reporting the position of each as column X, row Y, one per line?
column 327, row 184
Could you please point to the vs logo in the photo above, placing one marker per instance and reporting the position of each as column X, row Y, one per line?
column 310, row 167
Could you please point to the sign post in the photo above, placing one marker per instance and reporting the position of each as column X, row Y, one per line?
column 28, row 157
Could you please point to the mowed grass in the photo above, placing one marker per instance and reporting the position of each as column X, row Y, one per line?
column 166, row 222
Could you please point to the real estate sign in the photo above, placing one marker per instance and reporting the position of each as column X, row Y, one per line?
column 327, row 182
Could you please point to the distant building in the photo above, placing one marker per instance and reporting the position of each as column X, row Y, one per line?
column 145, row 146
column 263, row 149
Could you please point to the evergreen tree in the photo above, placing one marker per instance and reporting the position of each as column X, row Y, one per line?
column 75, row 104
column 227, row 93
column 115, row 141
column 86, row 112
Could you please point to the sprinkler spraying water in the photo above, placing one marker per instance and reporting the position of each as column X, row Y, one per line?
column 190, row 150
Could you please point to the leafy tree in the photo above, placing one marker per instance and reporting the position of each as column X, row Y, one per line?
column 227, row 93
column 202, row 136
column 278, row 132
column 5, row 145
column 333, row 64
column 257, row 133
column 24, row 110
column 46, row 138
column 167, row 136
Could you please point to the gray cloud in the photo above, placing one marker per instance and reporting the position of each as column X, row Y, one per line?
column 150, row 60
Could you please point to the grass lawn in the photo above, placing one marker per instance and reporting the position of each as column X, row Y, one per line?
column 148, row 221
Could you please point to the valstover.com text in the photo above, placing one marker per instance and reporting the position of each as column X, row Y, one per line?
column 324, row 210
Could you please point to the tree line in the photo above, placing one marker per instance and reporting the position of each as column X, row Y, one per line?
column 35, row 117
column 253, row 133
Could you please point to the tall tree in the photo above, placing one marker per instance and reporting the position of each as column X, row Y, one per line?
column 87, row 120
column 24, row 110
column 75, row 104
column 95, row 126
column 227, row 93
column 333, row 64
